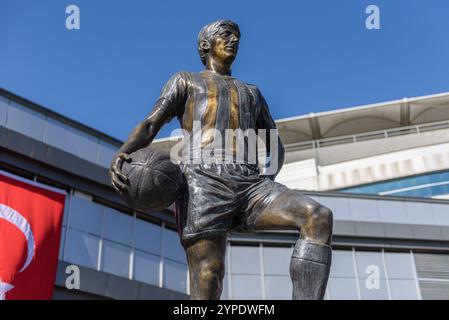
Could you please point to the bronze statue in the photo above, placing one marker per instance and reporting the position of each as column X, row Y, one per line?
column 221, row 196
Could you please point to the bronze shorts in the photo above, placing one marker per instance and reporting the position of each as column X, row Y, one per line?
column 222, row 197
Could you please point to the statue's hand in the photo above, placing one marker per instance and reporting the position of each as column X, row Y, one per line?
column 118, row 179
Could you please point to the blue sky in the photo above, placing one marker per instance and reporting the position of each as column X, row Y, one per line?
column 306, row 56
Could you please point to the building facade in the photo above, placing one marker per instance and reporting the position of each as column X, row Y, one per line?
column 383, row 169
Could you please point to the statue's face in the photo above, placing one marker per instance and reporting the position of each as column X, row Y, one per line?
column 225, row 45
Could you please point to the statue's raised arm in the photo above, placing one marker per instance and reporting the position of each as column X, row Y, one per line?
column 171, row 99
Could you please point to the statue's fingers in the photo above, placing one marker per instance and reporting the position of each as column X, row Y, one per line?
column 117, row 189
column 119, row 184
column 122, row 177
column 118, row 173
column 118, row 162
column 124, row 157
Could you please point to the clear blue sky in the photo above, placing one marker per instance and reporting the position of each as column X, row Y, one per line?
column 306, row 56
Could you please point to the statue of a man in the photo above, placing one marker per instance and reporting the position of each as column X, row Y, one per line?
column 230, row 195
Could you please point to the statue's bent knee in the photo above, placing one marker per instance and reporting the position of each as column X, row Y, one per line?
column 318, row 222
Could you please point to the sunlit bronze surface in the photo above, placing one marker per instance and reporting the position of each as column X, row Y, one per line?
column 224, row 197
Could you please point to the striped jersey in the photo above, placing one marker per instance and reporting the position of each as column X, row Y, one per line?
column 211, row 108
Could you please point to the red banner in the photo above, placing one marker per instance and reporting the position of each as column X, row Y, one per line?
column 30, row 232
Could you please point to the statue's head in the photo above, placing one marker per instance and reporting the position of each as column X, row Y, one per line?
column 219, row 39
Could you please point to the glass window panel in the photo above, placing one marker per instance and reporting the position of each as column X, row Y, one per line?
column 25, row 121
column 354, row 190
column 148, row 236
column 421, row 193
column 405, row 183
column 375, row 189
column 278, row 288
column 439, row 190
column 362, row 190
column 399, row 265
column 444, row 175
column 393, row 185
column 115, row 259
column 392, row 211
column 370, row 190
column 86, row 215
column 339, row 206
column 71, row 140
column 3, row 110
column 87, row 147
column 82, row 249
column 225, row 292
column 245, row 260
column 364, row 210
column 117, row 226
column 342, row 264
column 246, row 287
column 66, row 210
column 62, row 243
column 403, row 290
column 61, row 136
column 327, row 293
column 146, row 267
column 424, row 179
column 400, row 194
column 105, row 153
column 369, row 263
column 373, row 290
column 276, row 260
column 436, row 177
column 385, row 186
column 441, row 212
column 420, row 213
column 172, row 246
column 175, row 276
column 342, row 289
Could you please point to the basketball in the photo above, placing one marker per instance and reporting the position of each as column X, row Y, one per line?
column 154, row 180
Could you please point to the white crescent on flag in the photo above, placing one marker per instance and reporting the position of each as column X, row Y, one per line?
column 4, row 287
column 15, row 218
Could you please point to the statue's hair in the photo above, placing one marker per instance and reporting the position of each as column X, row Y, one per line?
column 208, row 32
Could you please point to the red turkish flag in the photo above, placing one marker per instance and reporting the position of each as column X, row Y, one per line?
column 30, row 232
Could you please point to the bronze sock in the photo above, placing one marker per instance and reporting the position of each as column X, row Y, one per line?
column 309, row 270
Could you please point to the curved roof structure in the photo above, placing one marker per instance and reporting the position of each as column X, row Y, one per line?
column 368, row 118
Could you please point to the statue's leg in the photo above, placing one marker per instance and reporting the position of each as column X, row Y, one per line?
column 207, row 267
column 311, row 258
